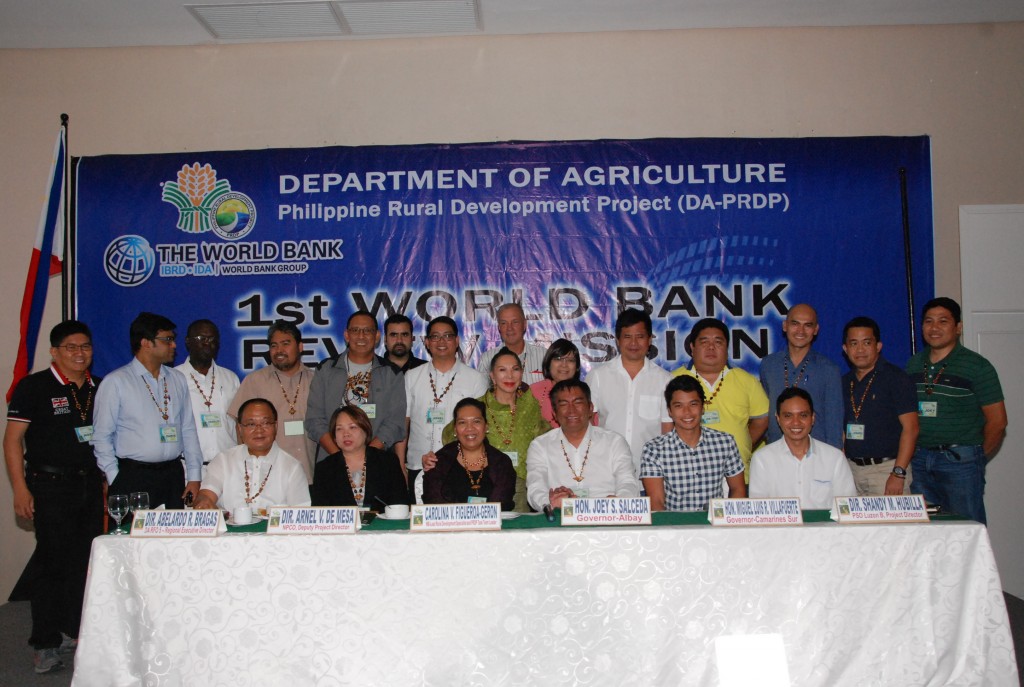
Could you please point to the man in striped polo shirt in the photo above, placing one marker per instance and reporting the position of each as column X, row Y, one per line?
column 961, row 412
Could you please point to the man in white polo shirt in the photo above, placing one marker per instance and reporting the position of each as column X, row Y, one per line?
column 798, row 465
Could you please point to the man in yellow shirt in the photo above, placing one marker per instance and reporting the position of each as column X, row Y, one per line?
column 736, row 402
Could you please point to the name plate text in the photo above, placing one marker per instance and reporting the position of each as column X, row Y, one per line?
column 910, row 508
column 316, row 520
column 448, row 517
column 747, row 512
column 607, row 511
column 175, row 523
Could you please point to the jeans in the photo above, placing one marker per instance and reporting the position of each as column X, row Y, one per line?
column 953, row 478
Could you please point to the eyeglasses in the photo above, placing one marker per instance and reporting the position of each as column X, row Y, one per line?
column 364, row 331
column 166, row 339
column 202, row 338
column 567, row 358
column 253, row 425
column 75, row 348
column 447, row 336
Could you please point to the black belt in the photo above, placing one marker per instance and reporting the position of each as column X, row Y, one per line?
column 870, row 461
column 182, row 459
column 143, row 465
column 941, row 447
column 61, row 472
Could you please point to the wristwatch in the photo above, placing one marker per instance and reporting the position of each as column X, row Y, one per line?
column 899, row 472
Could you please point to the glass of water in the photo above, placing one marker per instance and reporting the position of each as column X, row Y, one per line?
column 138, row 500
column 117, row 506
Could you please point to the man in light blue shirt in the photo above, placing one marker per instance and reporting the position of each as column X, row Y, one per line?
column 143, row 421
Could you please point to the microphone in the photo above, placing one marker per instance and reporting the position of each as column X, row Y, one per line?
column 549, row 513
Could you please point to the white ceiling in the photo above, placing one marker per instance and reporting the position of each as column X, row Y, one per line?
column 109, row 23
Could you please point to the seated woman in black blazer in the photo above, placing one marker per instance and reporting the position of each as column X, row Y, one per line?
column 359, row 474
column 469, row 466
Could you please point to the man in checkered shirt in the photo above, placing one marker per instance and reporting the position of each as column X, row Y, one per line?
column 685, row 468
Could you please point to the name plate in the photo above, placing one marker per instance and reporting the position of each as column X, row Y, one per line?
column 175, row 523
column 747, row 512
column 910, row 508
column 319, row 520
column 607, row 511
column 448, row 517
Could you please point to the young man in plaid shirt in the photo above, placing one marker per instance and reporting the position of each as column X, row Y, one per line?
column 685, row 468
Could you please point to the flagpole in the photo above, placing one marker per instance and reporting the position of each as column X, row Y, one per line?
column 65, row 272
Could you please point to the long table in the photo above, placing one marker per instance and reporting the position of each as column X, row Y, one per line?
column 899, row 604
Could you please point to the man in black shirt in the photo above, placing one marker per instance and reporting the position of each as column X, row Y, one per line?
column 57, row 485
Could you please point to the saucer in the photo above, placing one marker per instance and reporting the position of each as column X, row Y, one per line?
column 386, row 517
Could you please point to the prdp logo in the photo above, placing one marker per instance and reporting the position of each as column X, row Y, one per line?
column 206, row 203
column 129, row 260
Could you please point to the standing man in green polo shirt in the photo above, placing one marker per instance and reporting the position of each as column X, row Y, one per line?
column 961, row 412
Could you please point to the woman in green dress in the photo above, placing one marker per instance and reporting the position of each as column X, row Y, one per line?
column 513, row 417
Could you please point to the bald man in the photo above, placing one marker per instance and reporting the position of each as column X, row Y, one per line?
column 798, row 366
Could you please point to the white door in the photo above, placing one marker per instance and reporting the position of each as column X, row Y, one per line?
column 992, row 275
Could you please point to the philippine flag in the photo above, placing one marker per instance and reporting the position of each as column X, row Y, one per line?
column 47, row 261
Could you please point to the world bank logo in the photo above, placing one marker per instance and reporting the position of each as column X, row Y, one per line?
column 129, row 260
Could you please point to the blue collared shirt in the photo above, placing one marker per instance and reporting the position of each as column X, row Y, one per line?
column 818, row 376
column 127, row 420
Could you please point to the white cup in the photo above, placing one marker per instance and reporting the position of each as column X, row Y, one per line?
column 396, row 512
column 242, row 515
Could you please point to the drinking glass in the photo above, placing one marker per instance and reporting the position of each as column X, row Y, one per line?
column 117, row 506
column 139, row 500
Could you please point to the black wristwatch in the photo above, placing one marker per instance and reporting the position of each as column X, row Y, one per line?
column 899, row 472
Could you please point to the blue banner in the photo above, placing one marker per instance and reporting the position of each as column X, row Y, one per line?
column 737, row 229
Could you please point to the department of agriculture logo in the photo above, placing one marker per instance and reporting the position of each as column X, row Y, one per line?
column 129, row 260
column 207, row 204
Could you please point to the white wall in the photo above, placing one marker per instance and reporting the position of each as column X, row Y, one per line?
column 962, row 85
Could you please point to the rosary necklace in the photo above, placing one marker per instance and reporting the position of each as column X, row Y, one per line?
column 474, row 484
column 853, row 404
column 358, row 490
column 88, row 397
column 796, row 381
column 506, row 438
column 167, row 399
column 929, row 384
column 583, row 466
column 716, row 388
column 250, row 499
column 213, row 385
column 433, row 387
column 290, row 401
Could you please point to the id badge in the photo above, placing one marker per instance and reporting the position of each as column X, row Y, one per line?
column 435, row 416
column 211, row 420
column 370, row 409
column 168, row 434
column 514, row 456
column 477, row 499
column 928, row 408
column 84, row 434
column 294, row 428
column 855, row 432
column 710, row 417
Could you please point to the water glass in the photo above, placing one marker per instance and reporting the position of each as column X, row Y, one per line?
column 138, row 500
column 117, row 506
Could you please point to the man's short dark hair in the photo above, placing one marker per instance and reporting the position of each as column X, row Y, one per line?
column 146, row 326
column 706, row 323
column 943, row 302
column 199, row 323
column 255, row 401
column 397, row 318
column 793, row 392
column 361, row 313
column 566, row 385
column 684, row 383
column 443, row 319
column 68, row 328
column 284, row 327
column 865, row 323
column 630, row 317
column 558, row 349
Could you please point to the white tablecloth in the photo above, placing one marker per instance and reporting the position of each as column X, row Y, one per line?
column 860, row 605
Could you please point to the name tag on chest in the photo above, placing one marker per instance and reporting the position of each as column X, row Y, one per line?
column 435, row 416
column 293, row 428
column 710, row 417
column 928, row 409
column 168, row 434
column 211, row 420
column 84, row 434
column 855, row 432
